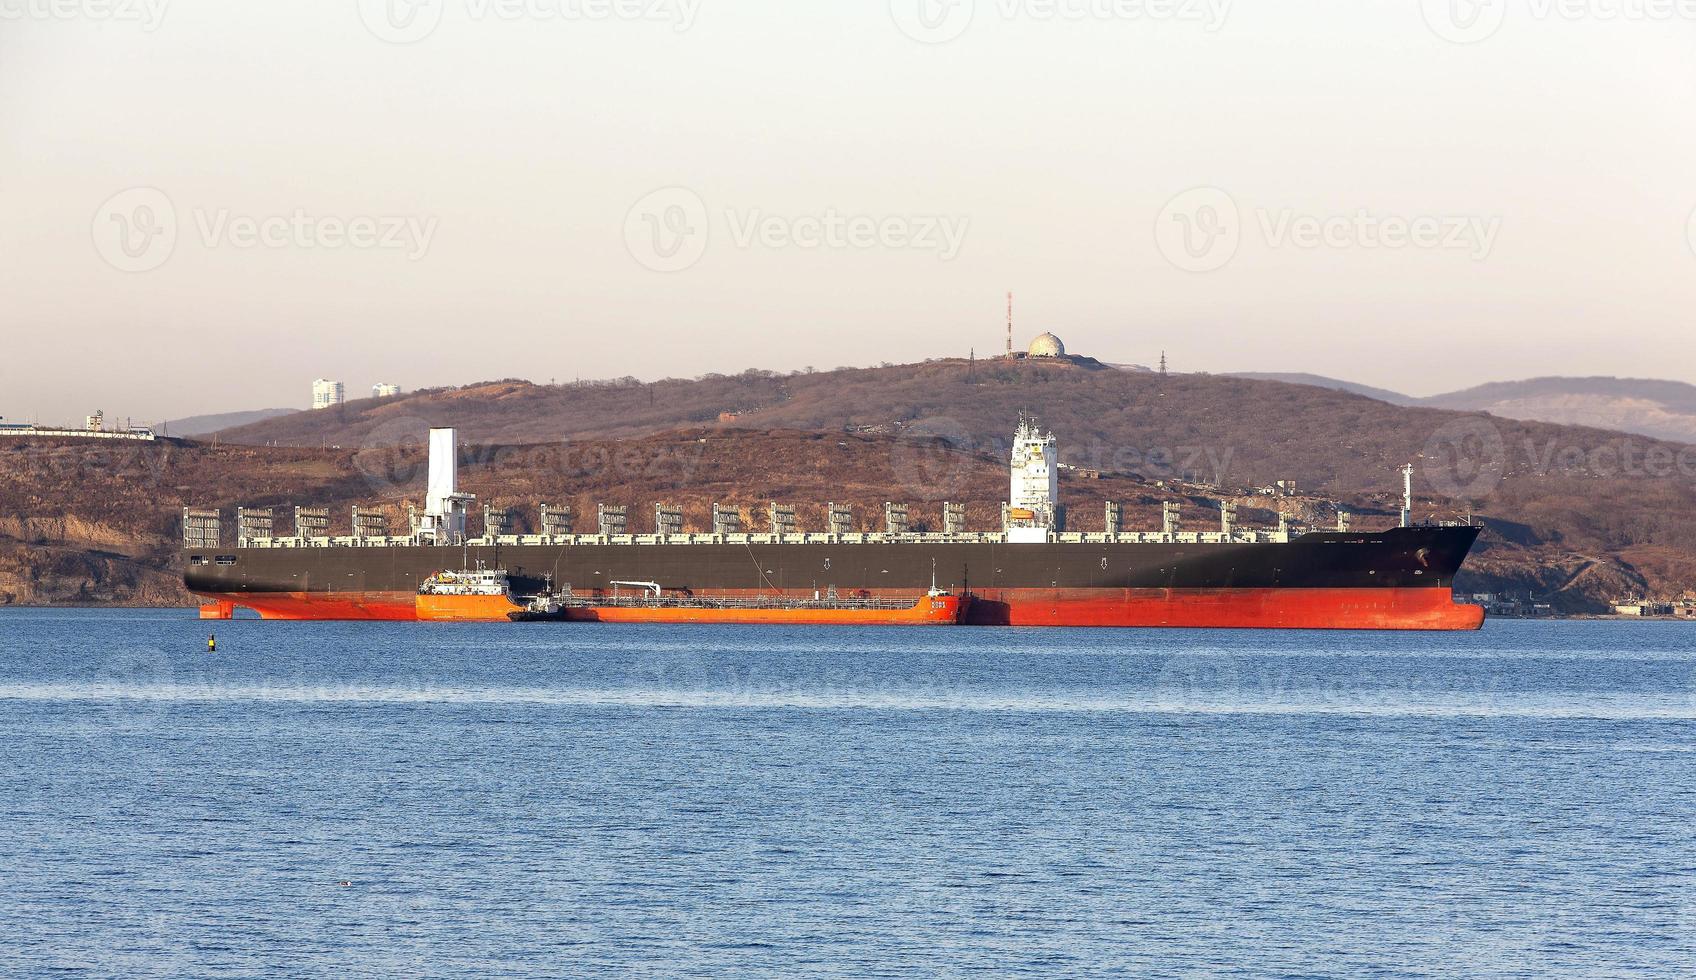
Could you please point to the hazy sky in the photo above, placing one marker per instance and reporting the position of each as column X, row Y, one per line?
column 204, row 204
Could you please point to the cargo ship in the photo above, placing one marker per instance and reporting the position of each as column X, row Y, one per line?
column 1031, row 572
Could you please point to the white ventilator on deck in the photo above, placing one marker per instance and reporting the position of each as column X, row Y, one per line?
column 1035, row 497
column 444, row 506
column 1407, row 495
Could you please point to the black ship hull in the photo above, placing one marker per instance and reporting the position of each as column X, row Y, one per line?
column 1396, row 579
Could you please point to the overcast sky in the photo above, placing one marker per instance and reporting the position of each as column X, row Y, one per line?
column 206, row 204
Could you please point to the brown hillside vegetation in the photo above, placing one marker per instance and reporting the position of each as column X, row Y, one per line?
column 1227, row 430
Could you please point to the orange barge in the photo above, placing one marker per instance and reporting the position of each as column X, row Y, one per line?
column 482, row 596
column 485, row 596
column 931, row 609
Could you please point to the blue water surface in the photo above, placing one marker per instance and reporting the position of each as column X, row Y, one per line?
column 581, row 800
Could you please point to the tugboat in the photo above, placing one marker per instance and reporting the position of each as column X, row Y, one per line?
column 480, row 596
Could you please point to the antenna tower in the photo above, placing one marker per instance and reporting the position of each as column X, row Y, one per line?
column 1009, row 326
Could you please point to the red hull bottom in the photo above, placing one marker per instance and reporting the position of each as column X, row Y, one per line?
column 1336, row 609
column 1303, row 609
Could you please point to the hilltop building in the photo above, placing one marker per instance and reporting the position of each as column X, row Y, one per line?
column 327, row 393
column 1047, row 345
column 384, row 390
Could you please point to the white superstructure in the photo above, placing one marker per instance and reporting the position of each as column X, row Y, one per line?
column 1034, row 502
column 443, row 520
column 383, row 389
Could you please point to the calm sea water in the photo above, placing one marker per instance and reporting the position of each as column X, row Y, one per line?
column 577, row 800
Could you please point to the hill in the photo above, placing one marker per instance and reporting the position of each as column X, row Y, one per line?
column 1220, row 429
column 1660, row 409
column 201, row 425
column 1320, row 381
column 1657, row 409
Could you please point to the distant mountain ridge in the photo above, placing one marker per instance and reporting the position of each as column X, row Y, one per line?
column 202, row 425
column 1646, row 407
column 1659, row 409
column 1320, row 381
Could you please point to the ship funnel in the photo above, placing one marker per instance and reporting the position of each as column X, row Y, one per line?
column 444, row 471
column 444, row 506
